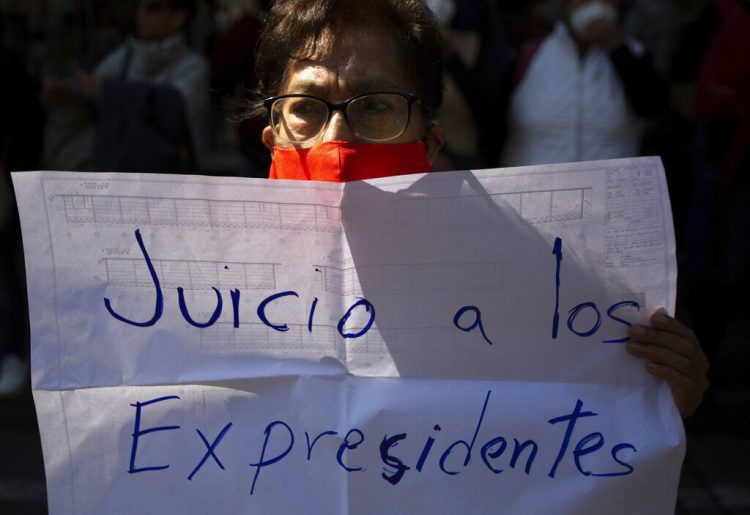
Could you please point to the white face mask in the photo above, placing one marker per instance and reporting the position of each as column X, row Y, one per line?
column 444, row 10
column 595, row 10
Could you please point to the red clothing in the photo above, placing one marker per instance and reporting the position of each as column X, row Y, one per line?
column 723, row 86
column 342, row 161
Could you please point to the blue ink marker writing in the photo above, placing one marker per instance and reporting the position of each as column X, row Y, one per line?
column 610, row 313
column 159, row 303
column 310, row 445
column 369, row 308
column 262, row 309
column 558, row 252
column 186, row 313
column 138, row 432
column 573, row 314
column 571, row 419
column 468, row 445
column 477, row 321
column 399, row 468
column 426, row 450
column 312, row 314
column 235, row 295
column 264, row 463
column 211, row 449
column 347, row 444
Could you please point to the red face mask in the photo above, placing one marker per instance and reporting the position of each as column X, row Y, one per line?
column 343, row 161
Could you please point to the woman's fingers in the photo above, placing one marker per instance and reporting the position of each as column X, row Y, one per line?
column 673, row 353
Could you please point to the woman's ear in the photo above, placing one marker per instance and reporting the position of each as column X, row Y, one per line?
column 433, row 141
column 267, row 137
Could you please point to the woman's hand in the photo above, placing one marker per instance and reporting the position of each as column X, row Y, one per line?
column 673, row 353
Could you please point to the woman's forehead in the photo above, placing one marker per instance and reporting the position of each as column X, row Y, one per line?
column 313, row 78
column 358, row 60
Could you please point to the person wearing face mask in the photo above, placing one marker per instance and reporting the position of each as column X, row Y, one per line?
column 583, row 92
column 149, row 99
column 349, row 90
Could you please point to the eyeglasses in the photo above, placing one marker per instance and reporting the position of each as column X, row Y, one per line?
column 378, row 116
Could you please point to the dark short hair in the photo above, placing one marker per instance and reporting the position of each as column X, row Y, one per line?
column 297, row 29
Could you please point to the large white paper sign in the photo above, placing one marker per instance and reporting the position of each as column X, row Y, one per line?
column 439, row 343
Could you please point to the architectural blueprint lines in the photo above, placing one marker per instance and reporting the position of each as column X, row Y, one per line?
column 201, row 213
column 531, row 207
column 256, row 337
column 191, row 275
column 414, row 278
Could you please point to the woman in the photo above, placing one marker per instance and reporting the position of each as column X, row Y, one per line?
column 350, row 89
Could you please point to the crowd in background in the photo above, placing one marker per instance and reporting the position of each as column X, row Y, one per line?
column 84, row 82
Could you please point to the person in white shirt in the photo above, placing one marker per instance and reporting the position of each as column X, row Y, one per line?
column 583, row 92
column 150, row 100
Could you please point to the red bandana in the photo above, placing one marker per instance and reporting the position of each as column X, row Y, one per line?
column 342, row 161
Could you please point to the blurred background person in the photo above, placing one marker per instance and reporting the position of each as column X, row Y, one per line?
column 478, row 57
column 654, row 23
column 581, row 93
column 233, row 77
column 717, row 237
column 457, row 113
column 145, row 108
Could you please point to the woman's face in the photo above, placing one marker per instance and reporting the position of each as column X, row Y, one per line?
column 361, row 61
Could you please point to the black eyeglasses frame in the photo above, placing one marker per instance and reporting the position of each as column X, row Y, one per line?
column 410, row 98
